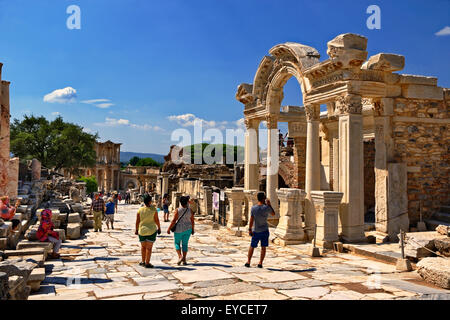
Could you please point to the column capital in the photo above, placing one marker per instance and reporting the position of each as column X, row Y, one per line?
column 348, row 104
column 235, row 193
column 272, row 121
column 312, row 112
column 251, row 123
column 291, row 194
column 330, row 199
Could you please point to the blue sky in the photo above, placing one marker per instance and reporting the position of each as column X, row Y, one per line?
column 135, row 63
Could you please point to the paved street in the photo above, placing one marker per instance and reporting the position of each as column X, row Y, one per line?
column 105, row 266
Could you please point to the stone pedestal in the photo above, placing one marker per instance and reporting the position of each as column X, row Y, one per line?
column 289, row 229
column 326, row 205
column 207, row 201
column 252, row 200
column 236, row 198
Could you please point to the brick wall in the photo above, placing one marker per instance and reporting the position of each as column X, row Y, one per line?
column 425, row 148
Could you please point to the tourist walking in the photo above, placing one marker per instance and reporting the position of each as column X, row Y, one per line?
column 147, row 226
column 259, row 228
column 183, row 227
column 166, row 207
column 7, row 212
column 46, row 233
column 97, row 208
column 116, row 201
column 109, row 213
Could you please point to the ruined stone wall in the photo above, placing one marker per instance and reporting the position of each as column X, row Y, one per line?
column 300, row 162
column 421, row 134
column 369, row 174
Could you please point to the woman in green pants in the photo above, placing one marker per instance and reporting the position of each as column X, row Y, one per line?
column 147, row 226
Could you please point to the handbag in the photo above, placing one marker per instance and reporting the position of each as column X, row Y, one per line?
column 175, row 225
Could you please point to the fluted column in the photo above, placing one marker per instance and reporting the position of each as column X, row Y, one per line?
column 351, row 166
column 312, row 176
column 273, row 162
column 251, row 171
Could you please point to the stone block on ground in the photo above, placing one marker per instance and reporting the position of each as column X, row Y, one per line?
column 417, row 243
column 436, row 271
column 74, row 218
column 73, row 231
column 4, row 286
column 444, row 230
column 35, row 279
column 35, row 244
column 5, row 230
column 88, row 224
column 443, row 246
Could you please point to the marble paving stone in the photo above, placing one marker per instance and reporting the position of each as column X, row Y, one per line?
column 207, row 274
column 311, row 293
column 266, row 294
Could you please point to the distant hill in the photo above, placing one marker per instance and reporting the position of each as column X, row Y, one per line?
column 126, row 156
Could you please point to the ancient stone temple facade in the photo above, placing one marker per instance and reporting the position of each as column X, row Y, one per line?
column 107, row 167
column 9, row 168
column 350, row 99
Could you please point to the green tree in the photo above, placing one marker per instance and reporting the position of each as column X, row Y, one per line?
column 56, row 144
column 91, row 183
column 147, row 162
column 133, row 161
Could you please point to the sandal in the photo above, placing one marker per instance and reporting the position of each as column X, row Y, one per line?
column 260, row 265
column 184, row 263
column 142, row 263
column 247, row 265
column 149, row 265
column 180, row 262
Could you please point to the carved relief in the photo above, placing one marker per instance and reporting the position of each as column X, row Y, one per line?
column 348, row 103
column 312, row 112
column 272, row 121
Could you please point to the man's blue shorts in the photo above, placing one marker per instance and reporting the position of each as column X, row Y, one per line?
column 166, row 208
column 260, row 236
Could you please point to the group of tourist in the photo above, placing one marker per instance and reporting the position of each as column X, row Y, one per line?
column 183, row 224
column 103, row 211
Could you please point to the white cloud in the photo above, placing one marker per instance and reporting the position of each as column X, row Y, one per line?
column 189, row 119
column 99, row 103
column 112, row 122
column 444, row 32
column 66, row 95
column 56, row 113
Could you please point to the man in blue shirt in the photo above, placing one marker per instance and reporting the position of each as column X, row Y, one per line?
column 109, row 214
column 259, row 228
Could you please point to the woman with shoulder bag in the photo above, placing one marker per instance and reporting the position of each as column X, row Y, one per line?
column 183, row 227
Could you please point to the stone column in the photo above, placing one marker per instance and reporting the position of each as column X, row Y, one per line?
column 391, row 199
column 326, row 204
column 4, row 134
column 35, row 170
column 207, row 200
column 289, row 229
column 251, row 171
column 312, row 176
column 236, row 197
column 252, row 200
column 351, row 167
column 273, row 162
column 165, row 183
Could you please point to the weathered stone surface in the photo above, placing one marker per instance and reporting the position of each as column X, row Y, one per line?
column 385, row 62
column 414, row 79
column 310, row 293
column 418, row 91
column 73, row 231
column 224, row 290
column 4, row 286
column 417, row 243
column 436, row 271
column 443, row 246
column 17, row 267
column 444, row 230
column 74, row 218
column 205, row 275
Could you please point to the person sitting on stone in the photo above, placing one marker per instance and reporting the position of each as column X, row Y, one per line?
column 7, row 212
column 46, row 233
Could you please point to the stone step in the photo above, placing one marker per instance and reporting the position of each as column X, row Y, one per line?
column 445, row 209
column 34, row 244
column 369, row 251
column 39, row 259
column 441, row 216
column 25, row 252
column 433, row 224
